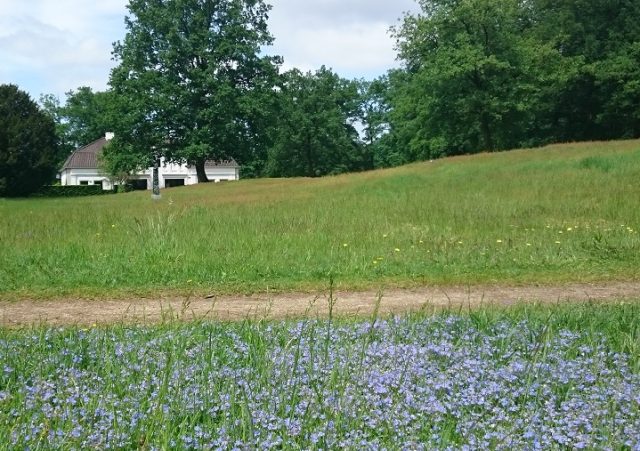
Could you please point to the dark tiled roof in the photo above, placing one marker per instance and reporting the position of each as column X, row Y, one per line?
column 221, row 164
column 85, row 157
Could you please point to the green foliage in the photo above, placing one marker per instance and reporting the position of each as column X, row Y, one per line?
column 375, row 116
column 600, row 96
column 479, row 75
column 190, row 79
column 483, row 75
column 50, row 104
column 120, row 161
column 88, row 115
column 28, row 150
column 124, row 188
column 471, row 80
column 315, row 134
column 71, row 191
column 515, row 217
column 85, row 117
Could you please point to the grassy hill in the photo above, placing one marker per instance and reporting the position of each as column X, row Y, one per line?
column 556, row 214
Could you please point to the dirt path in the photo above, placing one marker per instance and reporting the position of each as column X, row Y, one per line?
column 88, row 312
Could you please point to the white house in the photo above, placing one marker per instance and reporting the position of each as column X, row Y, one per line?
column 81, row 168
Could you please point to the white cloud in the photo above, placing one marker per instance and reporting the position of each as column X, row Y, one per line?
column 356, row 51
column 350, row 36
column 328, row 13
column 53, row 46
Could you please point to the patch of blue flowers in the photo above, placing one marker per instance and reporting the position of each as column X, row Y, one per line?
column 402, row 383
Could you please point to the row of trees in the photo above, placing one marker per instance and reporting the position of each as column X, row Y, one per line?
column 477, row 75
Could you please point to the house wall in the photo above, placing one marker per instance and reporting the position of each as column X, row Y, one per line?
column 188, row 174
column 168, row 171
column 90, row 176
column 221, row 174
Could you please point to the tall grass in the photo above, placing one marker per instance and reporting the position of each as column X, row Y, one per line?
column 560, row 213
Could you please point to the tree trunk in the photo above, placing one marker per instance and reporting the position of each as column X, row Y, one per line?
column 487, row 136
column 202, row 175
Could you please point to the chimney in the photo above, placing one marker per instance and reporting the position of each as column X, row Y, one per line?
column 109, row 136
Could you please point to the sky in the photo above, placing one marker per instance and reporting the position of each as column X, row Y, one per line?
column 54, row 46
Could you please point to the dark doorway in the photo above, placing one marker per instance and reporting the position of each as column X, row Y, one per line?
column 172, row 183
column 139, row 184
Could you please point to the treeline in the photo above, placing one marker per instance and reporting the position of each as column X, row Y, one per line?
column 477, row 75
column 500, row 74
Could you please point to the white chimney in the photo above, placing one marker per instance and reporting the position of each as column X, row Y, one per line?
column 109, row 136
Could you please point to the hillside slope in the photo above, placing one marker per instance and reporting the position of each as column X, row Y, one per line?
column 556, row 214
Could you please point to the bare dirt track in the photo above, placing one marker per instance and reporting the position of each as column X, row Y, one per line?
column 83, row 312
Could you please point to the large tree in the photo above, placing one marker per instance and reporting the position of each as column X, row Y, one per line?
column 498, row 74
column 376, row 115
column 473, row 74
column 315, row 132
column 85, row 116
column 88, row 115
column 50, row 105
column 598, row 96
column 190, row 79
column 28, row 151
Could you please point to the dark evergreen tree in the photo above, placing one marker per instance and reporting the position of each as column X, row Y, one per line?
column 28, row 151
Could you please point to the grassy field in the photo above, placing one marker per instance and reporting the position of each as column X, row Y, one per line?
column 530, row 377
column 556, row 214
column 563, row 376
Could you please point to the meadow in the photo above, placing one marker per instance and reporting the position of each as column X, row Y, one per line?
column 530, row 377
column 550, row 215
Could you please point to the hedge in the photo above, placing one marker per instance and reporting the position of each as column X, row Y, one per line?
column 72, row 191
